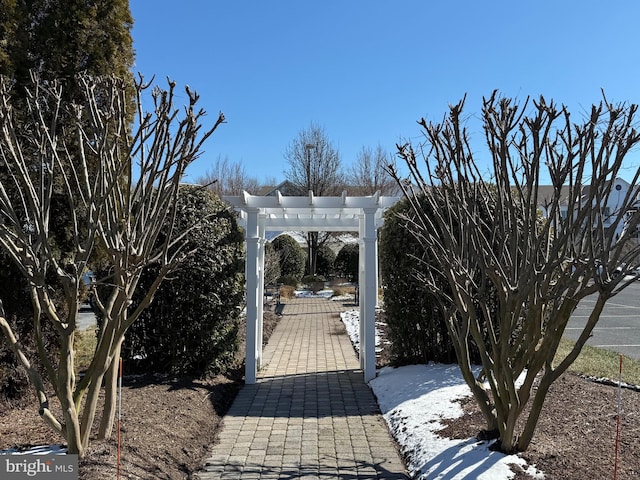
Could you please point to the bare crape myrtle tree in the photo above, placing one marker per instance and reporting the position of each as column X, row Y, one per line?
column 120, row 189
column 511, row 266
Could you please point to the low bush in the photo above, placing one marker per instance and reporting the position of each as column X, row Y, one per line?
column 287, row 291
column 314, row 282
column 309, row 279
column 288, row 280
column 339, row 291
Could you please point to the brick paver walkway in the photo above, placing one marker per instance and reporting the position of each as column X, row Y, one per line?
column 310, row 415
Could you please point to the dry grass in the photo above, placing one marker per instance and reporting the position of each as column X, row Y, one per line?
column 286, row 291
column 600, row 363
column 85, row 345
column 339, row 291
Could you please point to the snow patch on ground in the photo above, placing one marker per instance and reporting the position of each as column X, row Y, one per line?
column 351, row 320
column 41, row 450
column 349, row 297
column 310, row 294
column 414, row 400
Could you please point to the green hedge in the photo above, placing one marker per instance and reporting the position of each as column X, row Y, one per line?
column 191, row 327
column 416, row 326
column 347, row 261
column 293, row 257
column 325, row 261
column 16, row 300
column 416, row 322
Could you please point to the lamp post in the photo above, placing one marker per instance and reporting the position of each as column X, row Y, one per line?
column 308, row 147
column 311, row 236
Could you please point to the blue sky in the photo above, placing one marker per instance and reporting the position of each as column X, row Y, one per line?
column 366, row 71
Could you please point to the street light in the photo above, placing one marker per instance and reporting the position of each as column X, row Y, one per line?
column 308, row 147
column 311, row 238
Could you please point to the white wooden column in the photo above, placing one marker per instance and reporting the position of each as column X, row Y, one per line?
column 260, row 318
column 254, row 298
column 361, row 286
column 377, row 273
column 368, row 293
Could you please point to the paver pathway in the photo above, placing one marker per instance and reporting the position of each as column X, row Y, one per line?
column 310, row 415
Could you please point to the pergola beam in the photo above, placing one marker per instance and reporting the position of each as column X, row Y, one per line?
column 281, row 201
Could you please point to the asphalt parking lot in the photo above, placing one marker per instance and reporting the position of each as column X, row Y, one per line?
column 86, row 318
column 618, row 329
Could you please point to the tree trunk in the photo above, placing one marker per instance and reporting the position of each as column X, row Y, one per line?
column 312, row 242
column 110, row 395
column 536, row 408
column 65, row 389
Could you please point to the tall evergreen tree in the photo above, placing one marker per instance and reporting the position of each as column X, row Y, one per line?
column 63, row 38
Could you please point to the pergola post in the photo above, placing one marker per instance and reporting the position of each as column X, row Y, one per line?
column 368, row 293
column 361, row 287
column 260, row 317
column 254, row 295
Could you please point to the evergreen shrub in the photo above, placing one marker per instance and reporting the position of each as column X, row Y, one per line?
column 289, row 281
column 308, row 279
column 293, row 257
column 191, row 327
column 347, row 260
column 18, row 307
column 325, row 261
column 416, row 322
column 416, row 326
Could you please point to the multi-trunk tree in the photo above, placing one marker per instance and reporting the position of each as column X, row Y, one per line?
column 510, row 266
column 55, row 40
column 120, row 191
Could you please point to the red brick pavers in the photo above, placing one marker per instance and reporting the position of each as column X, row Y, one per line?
column 310, row 415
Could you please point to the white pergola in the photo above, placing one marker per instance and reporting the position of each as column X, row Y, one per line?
column 310, row 213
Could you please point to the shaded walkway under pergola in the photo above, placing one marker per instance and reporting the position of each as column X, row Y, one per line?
column 361, row 215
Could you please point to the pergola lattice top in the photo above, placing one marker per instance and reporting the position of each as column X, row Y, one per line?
column 312, row 213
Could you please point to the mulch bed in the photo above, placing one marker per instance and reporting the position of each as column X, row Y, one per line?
column 167, row 428
column 576, row 435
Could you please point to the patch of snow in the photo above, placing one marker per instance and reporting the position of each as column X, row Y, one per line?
column 343, row 298
column 414, row 400
column 351, row 320
column 310, row 294
column 41, row 450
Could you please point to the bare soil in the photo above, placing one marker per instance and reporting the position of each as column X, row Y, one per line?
column 169, row 425
column 576, row 435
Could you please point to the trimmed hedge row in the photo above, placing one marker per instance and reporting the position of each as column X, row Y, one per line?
column 191, row 327
column 416, row 323
column 416, row 326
